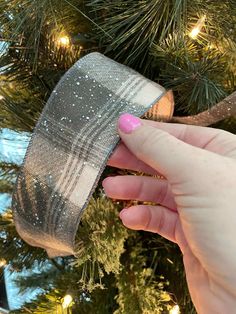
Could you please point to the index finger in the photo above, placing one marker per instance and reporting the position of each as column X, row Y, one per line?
column 214, row 140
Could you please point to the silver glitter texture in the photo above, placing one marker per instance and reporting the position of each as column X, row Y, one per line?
column 72, row 141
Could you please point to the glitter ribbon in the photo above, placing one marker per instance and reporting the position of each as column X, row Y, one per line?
column 72, row 141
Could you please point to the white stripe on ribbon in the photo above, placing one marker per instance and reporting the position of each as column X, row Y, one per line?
column 62, row 182
column 148, row 94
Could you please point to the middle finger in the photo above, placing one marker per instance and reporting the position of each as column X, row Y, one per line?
column 122, row 158
column 141, row 188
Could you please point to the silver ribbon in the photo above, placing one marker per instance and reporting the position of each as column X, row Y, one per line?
column 72, row 141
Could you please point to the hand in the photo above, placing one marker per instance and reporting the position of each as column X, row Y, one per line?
column 197, row 204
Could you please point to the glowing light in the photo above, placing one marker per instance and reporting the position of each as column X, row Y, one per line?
column 64, row 41
column 197, row 28
column 194, row 32
column 2, row 262
column 67, row 300
column 1, row 97
column 175, row 310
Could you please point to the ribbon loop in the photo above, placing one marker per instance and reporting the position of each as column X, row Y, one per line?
column 72, row 141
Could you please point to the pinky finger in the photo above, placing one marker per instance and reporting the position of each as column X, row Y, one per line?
column 156, row 219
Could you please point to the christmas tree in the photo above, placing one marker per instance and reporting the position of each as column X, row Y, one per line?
column 188, row 47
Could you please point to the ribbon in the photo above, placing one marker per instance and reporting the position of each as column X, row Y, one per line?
column 68, row 151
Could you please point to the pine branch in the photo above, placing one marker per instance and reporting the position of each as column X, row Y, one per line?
column 13, row 249
column 44, row 279
column 134, row 26
column 57, row 265
column 194, row 72
column 30, row 21
column 6, row 187
column 99, row 243
column 48, row 304
column 143, row 293
column 8, row 170
column 200, row 76
column 88, row 18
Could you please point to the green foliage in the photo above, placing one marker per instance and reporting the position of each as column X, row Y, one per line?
column 165, row 259
column 139, row 291
column 6, row 187
column 193, row 71
column 222, row 18
column 8, row 173
column 33, row 59
column 9, row 170
column 109, row 258
column 18, row 254
column 135, row 25
column 115, row 270
column 100, row 242
column 31, row 25
column 153, row 37
column 37, row 279
column 100, row 301
column 50, row 303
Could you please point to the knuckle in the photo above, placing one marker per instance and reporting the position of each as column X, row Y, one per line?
column 155, row 223
column 161, row 221
column 148, row 219
column 163, row 193
column 142, row 190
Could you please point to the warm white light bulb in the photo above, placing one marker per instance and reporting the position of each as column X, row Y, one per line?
column 175, row 310
column 67, row 301
column 194, row 32
column 2, row 262
column 64, row 41
column 197, row 28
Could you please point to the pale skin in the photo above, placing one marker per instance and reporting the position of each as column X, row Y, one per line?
column 196, row 201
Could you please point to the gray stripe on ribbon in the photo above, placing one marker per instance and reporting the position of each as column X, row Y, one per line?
column 87, row 141
column 41, row 218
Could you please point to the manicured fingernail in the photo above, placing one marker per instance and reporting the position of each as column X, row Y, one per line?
column 128, row 123
column 105, row 184
column 123, row 213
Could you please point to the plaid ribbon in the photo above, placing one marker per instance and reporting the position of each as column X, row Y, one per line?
column 72, row 141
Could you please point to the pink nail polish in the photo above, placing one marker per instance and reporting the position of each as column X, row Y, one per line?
column 128, row 123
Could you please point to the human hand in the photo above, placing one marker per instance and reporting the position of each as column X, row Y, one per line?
column 197, row 208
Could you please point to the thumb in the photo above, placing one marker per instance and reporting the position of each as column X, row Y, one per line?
column 159, row 149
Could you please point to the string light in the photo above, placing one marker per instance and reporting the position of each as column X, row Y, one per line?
column 64, row 41
column 67, row 300
column 197, row 28
column 175, row 310
column 2, row 262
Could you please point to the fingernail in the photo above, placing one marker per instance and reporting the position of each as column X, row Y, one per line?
column 128, row 123
column 105, row 183
column 123, row 213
